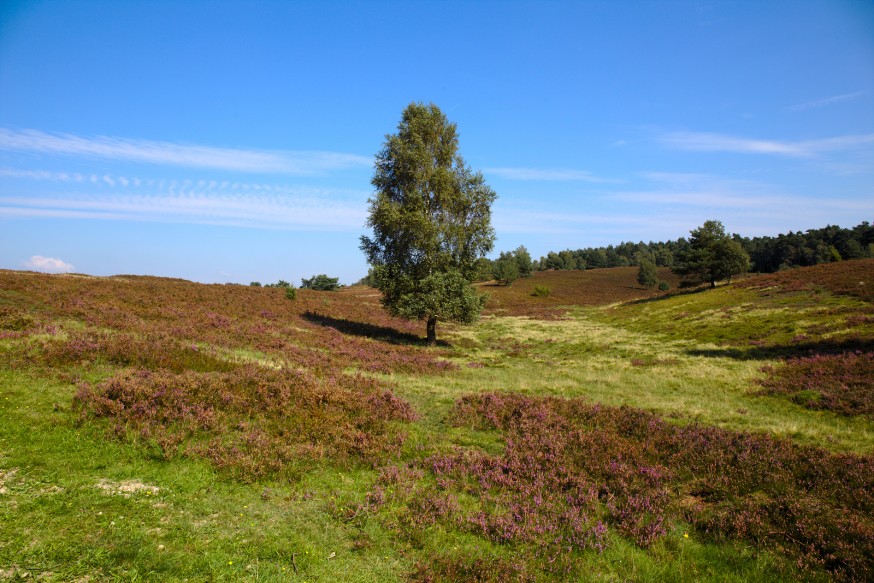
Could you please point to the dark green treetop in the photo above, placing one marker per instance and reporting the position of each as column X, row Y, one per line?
column 711, row 255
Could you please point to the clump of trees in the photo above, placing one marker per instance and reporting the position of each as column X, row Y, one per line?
column 431, row 221
column 511, row 265
column 321, row 282
column 767, row 254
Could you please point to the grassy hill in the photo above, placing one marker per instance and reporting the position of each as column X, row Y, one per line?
column 162, row 430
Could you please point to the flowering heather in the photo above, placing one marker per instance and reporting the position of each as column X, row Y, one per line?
column 359, row 334
column 252, row 421
column 571, row 470
column 854, row 278
column 595, row 287
column 843, row 383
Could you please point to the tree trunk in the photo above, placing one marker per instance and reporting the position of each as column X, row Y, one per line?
column 712, row 284
column 432, row 331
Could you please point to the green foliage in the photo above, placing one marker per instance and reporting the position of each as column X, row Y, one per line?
column 664, row 286
column 255, row 284
column 711, row 255
column 483, row 269
column 446, row 296
column 646, row 272
column 280, row 283
column 431, row 221
column 290, row 293
column 523, row 261
column 320, row 283
column 541, row 291
column 506, row 269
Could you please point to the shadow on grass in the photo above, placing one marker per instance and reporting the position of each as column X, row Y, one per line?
column 372, row 331
column 787, row 350
column 664, row 296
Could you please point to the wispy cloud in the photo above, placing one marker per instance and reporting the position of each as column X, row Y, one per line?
column 47, row 264
column 826, row 101
column 751, row 207
column 544, row 174
column 173, row 154
column 181, row 203
column 711, row 142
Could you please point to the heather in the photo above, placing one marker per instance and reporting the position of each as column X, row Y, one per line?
column 252, row 421
column 571, row 471
column 226, row 317
column 843, row 383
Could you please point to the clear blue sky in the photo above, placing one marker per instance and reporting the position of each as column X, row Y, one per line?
column 231, row 142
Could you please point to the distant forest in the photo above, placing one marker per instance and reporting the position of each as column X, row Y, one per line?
column 767, row 254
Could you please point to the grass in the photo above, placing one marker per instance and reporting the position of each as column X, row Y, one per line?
column 89, row 497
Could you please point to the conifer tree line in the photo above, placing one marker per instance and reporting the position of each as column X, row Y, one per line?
column 767, row 254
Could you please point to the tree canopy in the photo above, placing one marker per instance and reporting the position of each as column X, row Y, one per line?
column 431, row 221
column 711, row 255
column 320, row 282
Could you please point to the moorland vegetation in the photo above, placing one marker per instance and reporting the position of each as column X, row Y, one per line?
column 163, row 430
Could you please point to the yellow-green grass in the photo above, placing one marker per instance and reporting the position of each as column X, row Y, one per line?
column 585, row 356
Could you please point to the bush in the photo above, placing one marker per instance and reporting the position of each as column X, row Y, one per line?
column 663, row 286
column 321, row 283
column 290, row 293
column 255, row 284
column 541, row 291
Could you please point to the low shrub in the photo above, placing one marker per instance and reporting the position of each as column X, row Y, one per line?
column 14, row 320
column 541, row 291
column 252, row 421
column 843, row 383
column 664, row 286
column 290, row 293
column 571, row 470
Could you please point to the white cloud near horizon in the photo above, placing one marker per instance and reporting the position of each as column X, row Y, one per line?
column 826, row 101
column 302, row 163
column 545, row 174
column 713, row 142
column 48, row 264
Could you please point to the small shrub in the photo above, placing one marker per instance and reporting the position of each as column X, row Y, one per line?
column 14, row 320
column 843, row 383
column 663, row 286
column 290, row 293
column 541, row 291
column 255, row 284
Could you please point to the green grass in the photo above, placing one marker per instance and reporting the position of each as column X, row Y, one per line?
column 64, row 513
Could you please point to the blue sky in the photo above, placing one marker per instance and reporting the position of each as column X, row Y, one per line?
column 231, row 142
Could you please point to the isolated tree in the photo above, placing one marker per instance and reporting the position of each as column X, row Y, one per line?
column 431, row 221
column 711, row 255
column 505, row 269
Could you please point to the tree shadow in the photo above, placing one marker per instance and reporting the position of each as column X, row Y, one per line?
column 372, row 331
column 825, row 347
column 664, row 296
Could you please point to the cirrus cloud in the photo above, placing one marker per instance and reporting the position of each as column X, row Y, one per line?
column 302, row 163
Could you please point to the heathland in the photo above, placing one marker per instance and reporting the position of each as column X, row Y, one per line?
column 585, row 429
